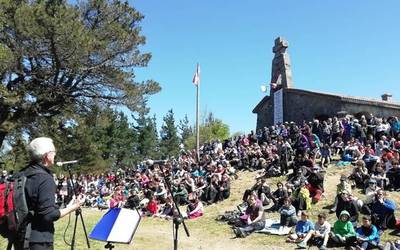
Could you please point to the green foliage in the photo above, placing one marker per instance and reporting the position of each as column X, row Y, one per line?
column 17, row 157
column 146, row 129
column 169, row 143
column 101, row 139
column 58, row 58
column 212, row 129
column 185, row 130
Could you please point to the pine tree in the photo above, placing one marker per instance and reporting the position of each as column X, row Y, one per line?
column 185, row 130
column 169, row 144
column 147, row 144
column 58, row 56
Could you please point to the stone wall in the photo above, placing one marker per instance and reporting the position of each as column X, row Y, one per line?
column 266, row 115
column 299, row 105
column 377, row 111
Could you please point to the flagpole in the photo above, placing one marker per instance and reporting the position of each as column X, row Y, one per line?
column 197, row 122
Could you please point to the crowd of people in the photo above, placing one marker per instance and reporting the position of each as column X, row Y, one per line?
column 370, row 146
column 300, row 152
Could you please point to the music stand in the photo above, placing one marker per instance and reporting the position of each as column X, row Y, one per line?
column 118, row 225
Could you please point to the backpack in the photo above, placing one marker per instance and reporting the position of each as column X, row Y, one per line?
column 14, row 212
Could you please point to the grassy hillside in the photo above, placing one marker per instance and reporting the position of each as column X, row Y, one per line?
column 206, row 233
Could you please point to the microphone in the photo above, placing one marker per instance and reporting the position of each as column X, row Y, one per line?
column 62, row 163
column 158, row 162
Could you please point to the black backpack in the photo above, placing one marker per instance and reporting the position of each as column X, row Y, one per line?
column 15, row 216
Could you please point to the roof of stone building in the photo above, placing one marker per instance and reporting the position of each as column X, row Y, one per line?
column 344, row 98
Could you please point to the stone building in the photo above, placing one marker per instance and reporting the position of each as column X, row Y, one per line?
column 286, row 103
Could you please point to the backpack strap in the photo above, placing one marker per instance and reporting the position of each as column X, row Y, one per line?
column 20, row 180
column 27, row 235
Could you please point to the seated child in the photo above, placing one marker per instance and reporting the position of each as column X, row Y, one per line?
column 288, row 213
column 320, row 235
column 303, row 227
column 367, row 234
column 343, row 234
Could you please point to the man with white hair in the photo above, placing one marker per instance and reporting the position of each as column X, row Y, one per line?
column 40, row 191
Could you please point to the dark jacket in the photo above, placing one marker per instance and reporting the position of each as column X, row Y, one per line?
column 348, row 206
column 40, row 190
column 316, row 180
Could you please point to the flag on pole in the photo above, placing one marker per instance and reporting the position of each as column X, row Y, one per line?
column 196, row 77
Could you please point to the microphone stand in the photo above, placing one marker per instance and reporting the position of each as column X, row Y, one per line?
column 177, row 218
column 78, row 213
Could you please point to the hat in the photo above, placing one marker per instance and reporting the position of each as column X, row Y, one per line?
column 372, row 181
column 344, row 213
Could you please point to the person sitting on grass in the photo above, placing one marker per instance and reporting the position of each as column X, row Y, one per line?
column 278, row 197
column 338, row 146
column 320, row 235
column 360, row 175
column 152, row 207
column 288, row 214
column 370, row 191
column 303, row 227
column 393, row 175
column 301, row 197
column 382, row 211
column 343, row 185
column 253, row 218
column 195, row 207
column 367, row 235
column 348, row 205
column 315, row 184
column 343, row 234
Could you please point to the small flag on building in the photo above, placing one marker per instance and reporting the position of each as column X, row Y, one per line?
column 196, row 77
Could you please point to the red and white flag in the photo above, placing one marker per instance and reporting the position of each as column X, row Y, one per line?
column 196, row 77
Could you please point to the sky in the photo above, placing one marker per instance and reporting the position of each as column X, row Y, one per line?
column 344, row 47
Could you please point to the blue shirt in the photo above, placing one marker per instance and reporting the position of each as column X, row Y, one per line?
column 371, row 234
column 303, row 227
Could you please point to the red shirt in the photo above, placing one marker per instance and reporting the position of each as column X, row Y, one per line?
column 152, row 207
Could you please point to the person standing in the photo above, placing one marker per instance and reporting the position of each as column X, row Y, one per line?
column 40, row 190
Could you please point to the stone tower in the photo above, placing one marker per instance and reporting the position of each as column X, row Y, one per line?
column 281, row 74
